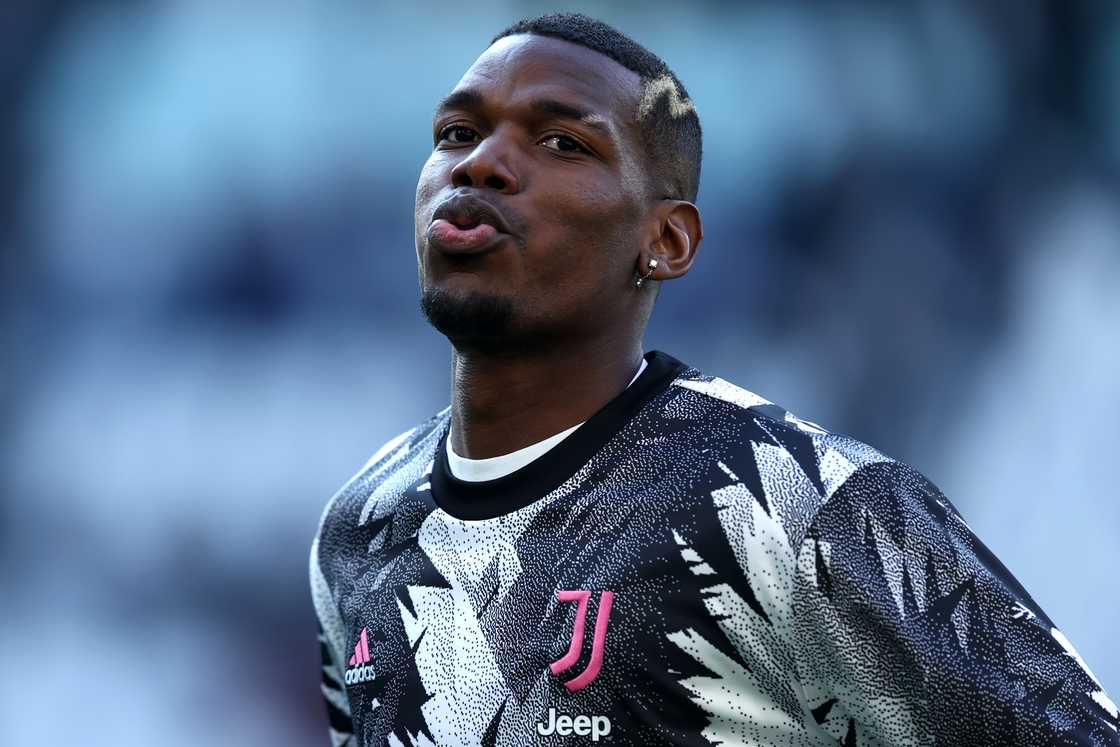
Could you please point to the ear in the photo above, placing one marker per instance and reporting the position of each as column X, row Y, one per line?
column 677, row 232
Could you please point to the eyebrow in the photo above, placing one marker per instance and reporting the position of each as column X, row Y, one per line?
column 469, row 98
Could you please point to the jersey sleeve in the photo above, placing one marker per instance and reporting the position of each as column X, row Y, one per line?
column 332, row 633
column 332, row 686
column 341, row 728
column 907, row 630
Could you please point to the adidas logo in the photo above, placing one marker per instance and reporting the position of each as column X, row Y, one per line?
column 361, row 672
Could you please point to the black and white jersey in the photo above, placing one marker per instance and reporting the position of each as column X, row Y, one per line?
column 692, row 566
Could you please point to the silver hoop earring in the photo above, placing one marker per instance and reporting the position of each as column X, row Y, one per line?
column 652, row 266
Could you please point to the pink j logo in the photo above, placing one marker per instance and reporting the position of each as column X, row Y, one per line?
column 568, row 660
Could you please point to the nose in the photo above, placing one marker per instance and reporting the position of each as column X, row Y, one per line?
column 487, row 165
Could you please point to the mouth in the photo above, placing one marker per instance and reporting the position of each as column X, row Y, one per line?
column 464, row 224
column 455, row 239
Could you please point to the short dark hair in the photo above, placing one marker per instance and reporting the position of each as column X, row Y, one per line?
column 667, row 120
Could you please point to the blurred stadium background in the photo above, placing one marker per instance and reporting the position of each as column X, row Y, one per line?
column 208, row 304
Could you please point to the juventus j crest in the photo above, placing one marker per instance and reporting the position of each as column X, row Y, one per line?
column 569, row 660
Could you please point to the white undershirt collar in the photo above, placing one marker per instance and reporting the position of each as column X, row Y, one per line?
column 479, row 470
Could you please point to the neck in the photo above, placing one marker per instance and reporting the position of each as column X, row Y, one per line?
column 502, row 404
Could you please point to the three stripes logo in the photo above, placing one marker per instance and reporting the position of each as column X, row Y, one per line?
column 360, row 670
column 599, row 637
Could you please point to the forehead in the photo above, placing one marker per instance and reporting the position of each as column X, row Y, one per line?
column 524, row 67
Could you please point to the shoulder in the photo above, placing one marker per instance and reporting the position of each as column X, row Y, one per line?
column 756, row 410
column 837, row 493
column 790, row 464
column 393, row 467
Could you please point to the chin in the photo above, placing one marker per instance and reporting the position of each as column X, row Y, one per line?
column 469, row 317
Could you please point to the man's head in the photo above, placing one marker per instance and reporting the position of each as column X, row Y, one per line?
column 565, row 159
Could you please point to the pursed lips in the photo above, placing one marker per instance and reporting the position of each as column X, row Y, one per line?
column 449, row 237
column 465, row 225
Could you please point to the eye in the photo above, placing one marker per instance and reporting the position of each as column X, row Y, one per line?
column 563, row 144
column 456, row 134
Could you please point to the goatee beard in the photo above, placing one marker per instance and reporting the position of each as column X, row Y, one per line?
column 473, row 320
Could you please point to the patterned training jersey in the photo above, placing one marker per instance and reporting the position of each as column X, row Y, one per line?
column 692, row 566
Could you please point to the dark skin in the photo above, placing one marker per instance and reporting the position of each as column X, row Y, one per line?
column 584, row 216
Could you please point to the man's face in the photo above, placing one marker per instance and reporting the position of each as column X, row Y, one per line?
column 538, row 139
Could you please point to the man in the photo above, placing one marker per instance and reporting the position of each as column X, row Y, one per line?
column 591, row 544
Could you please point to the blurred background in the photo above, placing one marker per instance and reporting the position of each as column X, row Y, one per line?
column 209, row 317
